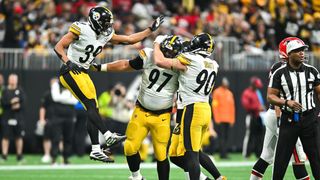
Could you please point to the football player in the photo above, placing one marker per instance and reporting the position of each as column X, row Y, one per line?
column 153, row 106
column 195, row 86
column 85, row 40
column 271, row 135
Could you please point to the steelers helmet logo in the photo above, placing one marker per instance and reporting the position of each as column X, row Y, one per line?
column 96, row 16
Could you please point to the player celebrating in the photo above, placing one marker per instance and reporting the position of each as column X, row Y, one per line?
column 195, row 86
column 85, row 40
column 154, row 104
column 271, row 136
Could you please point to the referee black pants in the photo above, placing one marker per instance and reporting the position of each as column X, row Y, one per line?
column 307, row 130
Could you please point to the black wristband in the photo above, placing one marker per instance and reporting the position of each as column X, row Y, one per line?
column 286, row 103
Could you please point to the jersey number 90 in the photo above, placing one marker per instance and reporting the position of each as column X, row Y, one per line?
column 207, row 80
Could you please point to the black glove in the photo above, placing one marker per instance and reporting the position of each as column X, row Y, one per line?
column 73, row 67
column 95, row 67
column 156, row 23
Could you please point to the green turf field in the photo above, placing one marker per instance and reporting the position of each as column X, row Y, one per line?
column 84, row 169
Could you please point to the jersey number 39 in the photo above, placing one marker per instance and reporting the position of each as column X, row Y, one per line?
column 204, row 78
column 90, row 49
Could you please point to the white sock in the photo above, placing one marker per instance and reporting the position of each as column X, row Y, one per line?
column 96, row 147
column 219, row 178
column 107, row 134
column 187, row 175
column 202, row 176
column 136, row 174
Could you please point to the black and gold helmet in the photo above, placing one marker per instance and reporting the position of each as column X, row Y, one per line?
column 101, row 19
column 171, row 46
column 202, row 44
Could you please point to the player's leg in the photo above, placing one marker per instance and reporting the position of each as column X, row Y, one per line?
column 160, row 133
column 136, row 132
column 207, row 164
column 174, row 142
column 269, row 144
column 194, row 123
column 83, row 89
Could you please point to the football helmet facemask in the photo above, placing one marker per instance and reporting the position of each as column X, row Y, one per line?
column 171, row 46
column 202, row 44
column 101, row 19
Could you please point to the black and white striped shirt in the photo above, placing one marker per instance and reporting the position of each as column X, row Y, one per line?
column 296, row 85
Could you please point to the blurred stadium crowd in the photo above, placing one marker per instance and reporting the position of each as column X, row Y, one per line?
column 257, row 24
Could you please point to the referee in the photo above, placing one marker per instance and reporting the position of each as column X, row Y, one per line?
column 291, row 87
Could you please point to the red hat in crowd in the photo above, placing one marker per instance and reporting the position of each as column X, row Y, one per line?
column 256, row 82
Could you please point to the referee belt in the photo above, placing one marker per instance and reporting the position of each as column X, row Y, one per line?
column 157, row 112
column 305, row 113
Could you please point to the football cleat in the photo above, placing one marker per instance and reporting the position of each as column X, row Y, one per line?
column 114, row 139
column 100, row 156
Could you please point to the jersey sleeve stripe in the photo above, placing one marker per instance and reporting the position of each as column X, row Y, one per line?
column 142, row 54
column 183, row 60
column 74, row 29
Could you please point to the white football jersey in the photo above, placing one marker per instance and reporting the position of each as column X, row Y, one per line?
column 83, row 51
column 195, row 84
column 158, row 85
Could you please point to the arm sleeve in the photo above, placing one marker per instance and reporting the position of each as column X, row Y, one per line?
column 275, row 80
column 183, row 59
column 74, row 28
column 136, row 63
column 317, row 77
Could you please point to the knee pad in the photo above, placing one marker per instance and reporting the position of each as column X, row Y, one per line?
column 129, row 148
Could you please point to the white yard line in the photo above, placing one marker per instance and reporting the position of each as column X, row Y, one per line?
column 107, row 166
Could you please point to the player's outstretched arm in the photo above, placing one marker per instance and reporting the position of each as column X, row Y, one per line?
column 122, row 65
column 137, row 37
column 167, row 63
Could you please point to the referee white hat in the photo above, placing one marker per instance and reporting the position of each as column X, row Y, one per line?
column 295, row 44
